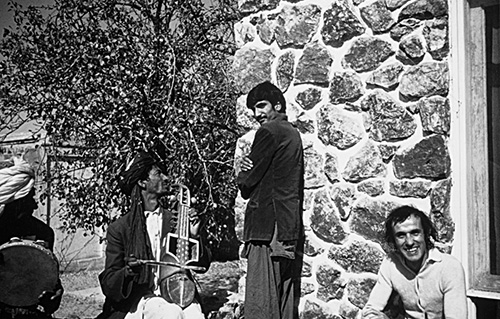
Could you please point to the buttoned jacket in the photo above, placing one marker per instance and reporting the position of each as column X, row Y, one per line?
column 274, row 185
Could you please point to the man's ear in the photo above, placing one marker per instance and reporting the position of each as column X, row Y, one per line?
column 141, row 183
column 277, row 107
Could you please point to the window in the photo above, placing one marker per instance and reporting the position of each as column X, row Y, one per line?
column 475, row 148
column 492, row 37
column 479, row 100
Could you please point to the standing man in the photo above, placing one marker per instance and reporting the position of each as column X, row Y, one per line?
column 430, row 284
column 130, row 286
column 271, row 178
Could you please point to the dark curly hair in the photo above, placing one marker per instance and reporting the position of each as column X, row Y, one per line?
column 266, row 91
column 401, row 214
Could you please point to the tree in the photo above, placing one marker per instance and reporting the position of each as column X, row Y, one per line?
column 104, row 78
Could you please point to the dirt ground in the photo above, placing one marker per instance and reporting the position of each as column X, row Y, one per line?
column 83, row 298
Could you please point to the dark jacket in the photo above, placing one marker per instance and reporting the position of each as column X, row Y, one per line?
column 274, row 185
column 123, row 293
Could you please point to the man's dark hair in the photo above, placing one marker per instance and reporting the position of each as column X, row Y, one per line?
column 266, row 91
column 401, row 214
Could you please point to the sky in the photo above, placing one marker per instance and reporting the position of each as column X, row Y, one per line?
column 6, row 21
column 6, row 16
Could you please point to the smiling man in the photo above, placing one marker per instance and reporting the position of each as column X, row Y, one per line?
column 430, row 284
column 272, row 180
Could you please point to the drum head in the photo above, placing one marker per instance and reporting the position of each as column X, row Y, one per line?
column 26, row 270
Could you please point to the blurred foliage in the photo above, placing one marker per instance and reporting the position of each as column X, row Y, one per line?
column 105, row 78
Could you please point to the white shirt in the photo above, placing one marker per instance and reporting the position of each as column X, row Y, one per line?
column 154, row 222
column 436, row 291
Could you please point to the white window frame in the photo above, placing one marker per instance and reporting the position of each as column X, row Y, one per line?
column 469, row 145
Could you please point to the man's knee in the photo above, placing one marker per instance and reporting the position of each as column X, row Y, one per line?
column 159, row 308
column 193, row 311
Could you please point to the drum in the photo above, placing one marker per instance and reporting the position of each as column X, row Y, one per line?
column 26, row 270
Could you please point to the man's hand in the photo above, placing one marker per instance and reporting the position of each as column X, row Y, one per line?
column 50, row 300
column 246, row 164
column 132, row 266
column 194, row 223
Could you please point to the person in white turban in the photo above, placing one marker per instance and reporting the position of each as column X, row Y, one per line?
column 17, row 204
column 15, row 182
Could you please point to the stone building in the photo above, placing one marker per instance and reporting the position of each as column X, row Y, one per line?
column 397, row 103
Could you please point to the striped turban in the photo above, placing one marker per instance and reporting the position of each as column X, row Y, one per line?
column 15, row 182
column 140, row 165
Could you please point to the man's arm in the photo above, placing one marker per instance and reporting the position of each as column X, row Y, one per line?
column 115, row 283
column 51, row 300
column 454, row 299
column 380, row 294
column 263, row 149
column 205, row 255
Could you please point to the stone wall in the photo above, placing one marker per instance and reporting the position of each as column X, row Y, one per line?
column 366, row 84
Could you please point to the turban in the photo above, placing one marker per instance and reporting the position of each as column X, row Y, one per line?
column 134, row 170
column 15, row 182
column 138, row 245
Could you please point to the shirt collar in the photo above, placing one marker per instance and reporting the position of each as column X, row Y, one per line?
column 279, row 117
column 435, row 255
column 148, row 213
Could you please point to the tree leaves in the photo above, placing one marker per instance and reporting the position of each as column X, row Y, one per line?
column 108, row 78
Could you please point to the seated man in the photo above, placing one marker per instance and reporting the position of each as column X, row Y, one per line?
column 430, row 284
column 130, row 286
column 17, row 221
column 17, row 205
